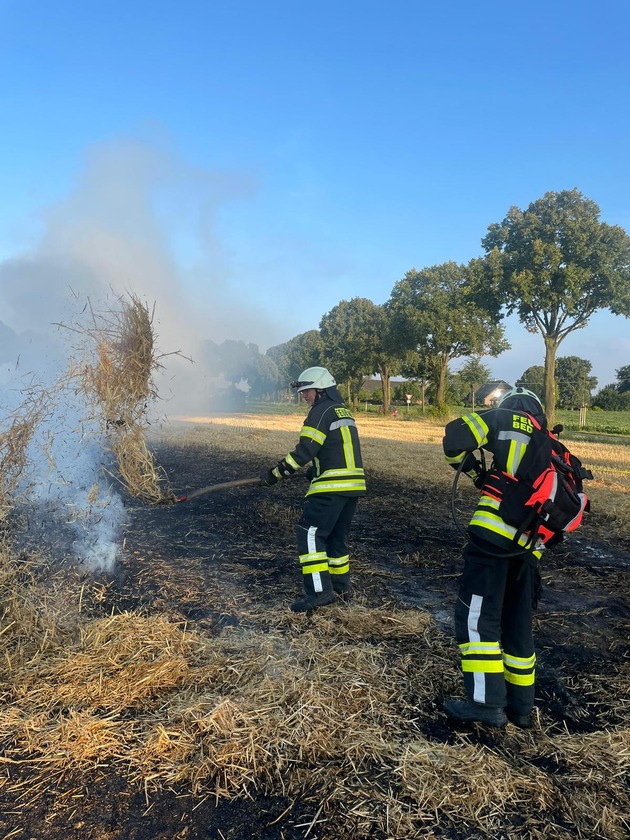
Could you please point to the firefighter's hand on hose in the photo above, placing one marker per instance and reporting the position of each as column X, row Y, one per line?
column 281, row 470
column 267, row 478
column 475, row 469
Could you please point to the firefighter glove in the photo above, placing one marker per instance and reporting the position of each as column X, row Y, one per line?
column 283, row 469
column 268, row 478
column 475, row 469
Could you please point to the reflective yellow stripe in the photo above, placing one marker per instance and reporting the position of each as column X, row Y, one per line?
column 482, row 666
column 519, row 679
column 486, row 648
column 292, row 462
column 478, row 427
column 338, row 564
column 313, row 557
column 310, row 568
column 334, row 486
column 340, row 473
column 456, row 459
column 494, row 523
column 314, row 434
column 515, row 456
column 348, row 449
column 339, row 570
column 519, row 662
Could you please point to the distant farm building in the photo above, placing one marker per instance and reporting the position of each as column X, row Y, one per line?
column 490, row 393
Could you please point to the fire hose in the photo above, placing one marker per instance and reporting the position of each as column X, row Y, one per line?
column 226, row 485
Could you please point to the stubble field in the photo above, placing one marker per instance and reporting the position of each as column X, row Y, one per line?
column 179, row 697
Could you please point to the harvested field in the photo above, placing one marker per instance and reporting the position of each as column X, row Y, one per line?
column 180, row 698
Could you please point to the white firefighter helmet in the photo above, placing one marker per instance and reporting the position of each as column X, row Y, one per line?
column 520, row 399
column 314, row 377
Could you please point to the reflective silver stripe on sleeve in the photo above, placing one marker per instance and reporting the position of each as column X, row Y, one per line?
column 339, row 423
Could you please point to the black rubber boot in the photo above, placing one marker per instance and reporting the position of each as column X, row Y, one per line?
column 522, row 721
column 470, row 712
column 312, row 599
column 341, row 585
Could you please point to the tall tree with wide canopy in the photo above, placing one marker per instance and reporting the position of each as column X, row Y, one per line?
column 558, row 265
column 436, row 312
column 351, row 339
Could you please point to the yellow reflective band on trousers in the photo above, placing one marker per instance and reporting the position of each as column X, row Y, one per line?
column 478, row 427
column 482, row 657
column 519, row 670
column 314, row 562
column 339, row 565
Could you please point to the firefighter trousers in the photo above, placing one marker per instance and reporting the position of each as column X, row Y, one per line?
column 493, row 627
column 322, row 534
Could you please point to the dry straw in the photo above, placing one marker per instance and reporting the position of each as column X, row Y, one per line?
column 117, row 379
column 338, row 715
column 20, row 426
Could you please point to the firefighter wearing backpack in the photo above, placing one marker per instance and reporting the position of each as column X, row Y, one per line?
column 500, row 579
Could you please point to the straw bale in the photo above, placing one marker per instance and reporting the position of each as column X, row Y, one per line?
column 117, row 378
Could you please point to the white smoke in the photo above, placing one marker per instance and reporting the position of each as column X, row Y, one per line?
column 65, row 492
column 107, row 239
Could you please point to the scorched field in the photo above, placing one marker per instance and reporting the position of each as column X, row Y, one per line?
column 178, row 697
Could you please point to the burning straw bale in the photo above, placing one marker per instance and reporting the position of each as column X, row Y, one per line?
column 118, row 381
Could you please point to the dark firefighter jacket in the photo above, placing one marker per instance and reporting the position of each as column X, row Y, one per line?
column 506, row 434
column 330, row 439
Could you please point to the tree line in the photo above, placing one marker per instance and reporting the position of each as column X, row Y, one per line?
column 554, row 264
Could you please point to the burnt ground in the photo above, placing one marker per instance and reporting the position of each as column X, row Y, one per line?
column 406, row 553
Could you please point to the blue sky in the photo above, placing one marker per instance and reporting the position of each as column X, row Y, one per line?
column 248, row 165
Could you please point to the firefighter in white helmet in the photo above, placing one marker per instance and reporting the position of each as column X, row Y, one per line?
column 329, row 439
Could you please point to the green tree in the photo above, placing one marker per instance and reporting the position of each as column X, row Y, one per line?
column 623, row 379
column 264, row 380
column 421, row 367
column 473, row 374
column 574, row 381
column 534, row 380
column 350, row 339
column 385, row 358
column 555, row 264
column 236, row 360
column 436, row 312
column 294, row 356
column 401, row 389
column 610, row 399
